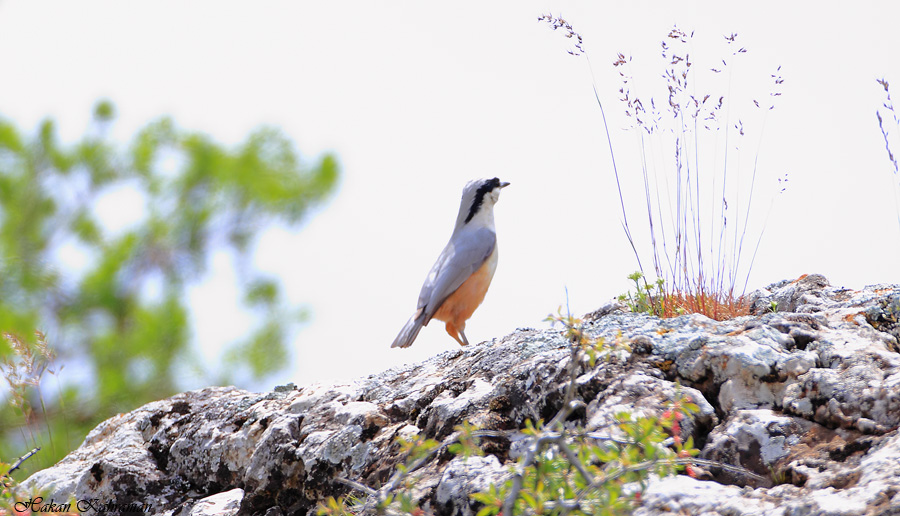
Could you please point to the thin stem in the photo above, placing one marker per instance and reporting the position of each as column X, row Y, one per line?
column 612, row 156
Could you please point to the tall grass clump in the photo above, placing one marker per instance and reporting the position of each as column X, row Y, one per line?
column 23, row 367
column 698, row 184
column 890, row 119
column 24, row 370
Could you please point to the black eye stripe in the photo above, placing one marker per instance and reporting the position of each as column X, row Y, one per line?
column 483, row 190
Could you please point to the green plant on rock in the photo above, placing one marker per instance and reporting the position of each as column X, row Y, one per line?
column 563, row 469
column 395, row 497
column 571, row 471
column 646, row 298
column 568, row 470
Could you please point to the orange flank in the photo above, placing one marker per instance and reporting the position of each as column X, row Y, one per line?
column 461, row 304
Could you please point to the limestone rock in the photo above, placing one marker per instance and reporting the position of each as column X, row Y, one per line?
column 221, row 504
column 463, row 476
column 806, row 395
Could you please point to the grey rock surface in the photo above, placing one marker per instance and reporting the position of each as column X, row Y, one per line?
column 806, row 396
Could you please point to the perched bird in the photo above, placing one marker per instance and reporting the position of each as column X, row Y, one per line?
column 457, row 283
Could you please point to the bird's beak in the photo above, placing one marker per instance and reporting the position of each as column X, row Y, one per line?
column 504, row 185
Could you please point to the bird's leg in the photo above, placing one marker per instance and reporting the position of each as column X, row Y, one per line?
column 462, row 333
column 454, row 332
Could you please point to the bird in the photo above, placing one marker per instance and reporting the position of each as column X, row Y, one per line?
column 460, row 277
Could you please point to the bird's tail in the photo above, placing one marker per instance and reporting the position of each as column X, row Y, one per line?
column 409, row 332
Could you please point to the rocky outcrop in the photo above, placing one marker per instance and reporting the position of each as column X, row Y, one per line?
column 805, row 394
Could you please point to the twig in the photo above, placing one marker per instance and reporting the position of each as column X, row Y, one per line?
column 519, row 476
column 650, row 463
column 398, row 477
column 560, row 441
column 569, row 402
column 22, row 459
column 567, row 407
column 356, row 485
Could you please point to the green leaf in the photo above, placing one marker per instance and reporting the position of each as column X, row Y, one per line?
column 104, row 111
column 262, row 293
column 86, row 228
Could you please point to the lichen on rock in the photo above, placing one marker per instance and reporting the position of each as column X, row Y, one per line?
column 807, row 397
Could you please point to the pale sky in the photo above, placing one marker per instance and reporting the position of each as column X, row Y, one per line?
column 415, row 100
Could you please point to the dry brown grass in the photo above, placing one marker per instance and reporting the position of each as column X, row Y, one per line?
column 711, row 304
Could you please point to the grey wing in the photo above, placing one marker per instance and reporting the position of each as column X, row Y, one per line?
column 459, row 260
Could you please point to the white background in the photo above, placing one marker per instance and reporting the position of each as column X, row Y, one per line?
column 417, row 99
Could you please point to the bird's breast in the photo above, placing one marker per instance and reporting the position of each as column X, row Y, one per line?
column 461, row 304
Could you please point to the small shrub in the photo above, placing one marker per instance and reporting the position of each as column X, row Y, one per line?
column 646, row 298
column 563, row 470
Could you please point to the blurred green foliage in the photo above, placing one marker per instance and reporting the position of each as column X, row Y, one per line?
column 123, row 321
